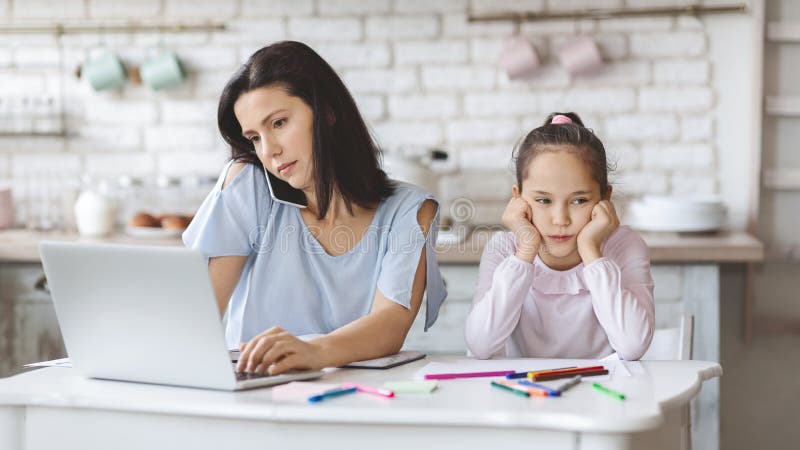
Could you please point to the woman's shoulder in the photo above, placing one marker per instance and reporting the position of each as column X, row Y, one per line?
column 405, row 198
column 242, row 176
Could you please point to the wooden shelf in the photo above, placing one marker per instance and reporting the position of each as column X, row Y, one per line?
column 783, row 32
column 782, row 179
column 782, row 105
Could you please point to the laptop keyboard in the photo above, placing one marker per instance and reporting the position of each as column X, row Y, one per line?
column 242, row 376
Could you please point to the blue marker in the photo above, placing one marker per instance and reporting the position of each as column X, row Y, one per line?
column 331, row 393
column 550, row 392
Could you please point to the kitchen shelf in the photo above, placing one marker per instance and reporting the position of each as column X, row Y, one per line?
column 782, row 105
column 33, row 134
column 782, row 179
column 109, row 27
column 783, row 32
column 594, row 14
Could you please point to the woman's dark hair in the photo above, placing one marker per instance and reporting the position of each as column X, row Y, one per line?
column 345, row 155
column 571, row 137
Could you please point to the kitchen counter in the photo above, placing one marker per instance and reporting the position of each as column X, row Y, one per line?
column 19, row 245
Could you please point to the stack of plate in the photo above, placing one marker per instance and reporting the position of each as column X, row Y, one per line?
column 685, row 214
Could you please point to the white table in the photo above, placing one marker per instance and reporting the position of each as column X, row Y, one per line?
column 57, row 408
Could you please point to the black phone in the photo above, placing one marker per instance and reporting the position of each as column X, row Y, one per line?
column 283, row 192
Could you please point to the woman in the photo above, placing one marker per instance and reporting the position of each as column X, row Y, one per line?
column 352, row 267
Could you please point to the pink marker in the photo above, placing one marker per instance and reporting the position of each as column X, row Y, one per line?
column 370, row 390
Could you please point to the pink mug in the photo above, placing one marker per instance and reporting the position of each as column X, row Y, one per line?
column 580, row 56
column 518, row 57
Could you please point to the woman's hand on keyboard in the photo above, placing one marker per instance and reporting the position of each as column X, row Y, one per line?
column 276, row 351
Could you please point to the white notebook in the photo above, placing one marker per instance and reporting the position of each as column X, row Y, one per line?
column 387, row 362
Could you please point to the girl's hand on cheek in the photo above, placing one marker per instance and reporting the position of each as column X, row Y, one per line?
column 518, row 217
column 603, row 222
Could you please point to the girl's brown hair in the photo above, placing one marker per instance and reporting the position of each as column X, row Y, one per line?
column 570, row 137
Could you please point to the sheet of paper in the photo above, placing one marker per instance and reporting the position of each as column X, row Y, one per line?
column 63, row 362
column 411, row 387
column 300, row 390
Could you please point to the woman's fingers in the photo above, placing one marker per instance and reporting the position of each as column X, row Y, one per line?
column 279, row 350
column 261, row 348
column 287, row 363
column 245, row 354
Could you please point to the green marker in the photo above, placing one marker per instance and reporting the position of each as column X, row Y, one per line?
column 509, row 388
column 608, row 391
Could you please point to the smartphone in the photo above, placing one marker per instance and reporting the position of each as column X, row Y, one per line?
column 283, row 192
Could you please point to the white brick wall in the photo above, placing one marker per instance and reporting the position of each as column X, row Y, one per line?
column 678, row 156
column 458, row 77
column 402, row 27
column 332, row 8
column 422, row 106
column 397, row 134
column 333, row 29
column 654, row 45
column 380, row 80
column 493, row 104
column 675, row 99
column 46, row 9
column 421, row 74
column 122, row 112
column 142, row 9
column 427, row 6
column 681, row 72
column 177, row 137
column 410, row 53
column 640, row 127
column 272, row 8
column 343, row 55
column 200, row 8
column 189, row 112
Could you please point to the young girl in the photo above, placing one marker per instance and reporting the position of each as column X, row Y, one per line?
column 568, row 281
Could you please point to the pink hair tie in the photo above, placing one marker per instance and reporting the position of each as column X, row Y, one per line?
column 561, row 119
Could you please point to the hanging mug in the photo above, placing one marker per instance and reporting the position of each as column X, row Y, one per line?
column 104, row 72
column 580, row 56
column 518, row 57
column 162, row 72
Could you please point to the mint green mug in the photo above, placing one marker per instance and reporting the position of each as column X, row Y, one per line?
column 162, row 72
column 105, row 72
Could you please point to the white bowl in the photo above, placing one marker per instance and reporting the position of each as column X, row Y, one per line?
column 683, row 214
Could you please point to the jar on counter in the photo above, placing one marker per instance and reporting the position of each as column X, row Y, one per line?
column 95, row 210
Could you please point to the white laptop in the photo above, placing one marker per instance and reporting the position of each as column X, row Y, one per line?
column 145, row 314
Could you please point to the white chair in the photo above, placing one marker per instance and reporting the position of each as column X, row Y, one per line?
column 673, row 343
